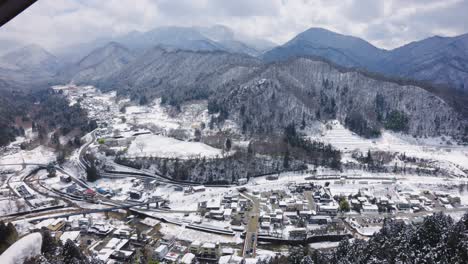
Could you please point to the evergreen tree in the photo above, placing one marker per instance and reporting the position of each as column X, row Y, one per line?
column 228, row 144
column 72, row 254
column 286, row 160
column 8, row 235
column 49, row 244
column 92, row 173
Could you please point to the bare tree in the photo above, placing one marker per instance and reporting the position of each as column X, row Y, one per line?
column 141, row 146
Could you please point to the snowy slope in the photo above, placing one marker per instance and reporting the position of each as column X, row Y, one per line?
column 436, row 149
column 28, row 246
column 161, row 146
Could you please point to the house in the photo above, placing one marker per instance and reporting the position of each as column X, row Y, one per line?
column 194, row 248
column 234, row 207
column 188, row 258
column 444, row 200
column 172, row 257
column 368, row 208
column 74, row 236
column 56, row 225
column 122, row 255
column 238, row 228
column 265, row 217
column 305, row 214
column 273, row 199
column 160, row 252
column 227, row 198
column 217, row 214
column 84, row 222
column 199, row 188
column 227, row 251
column 272, row 177
column 114, row 245
column 362, row 199
column 208, row 250
column 213, row 204
column 320, row 220
column 242, row 181
column 227, row 214
column 101, row 229
column 383, row 200
column 414, row 203
column 330, row 209
column 231, row 259
column 291, row 215
column 265, row 225
column 148, row 221
column 243, row 203
column 403, row 204
column 298, row 233
column 123, row 232
column 278, row 219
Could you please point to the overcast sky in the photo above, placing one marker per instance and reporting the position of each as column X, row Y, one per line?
column 386, row 24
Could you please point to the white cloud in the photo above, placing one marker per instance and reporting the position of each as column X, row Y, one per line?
column 387, row 24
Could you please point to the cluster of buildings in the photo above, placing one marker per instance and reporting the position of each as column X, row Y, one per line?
column 367, row 203
column 110, row 240
column 297, row 213
column 196, row 252
column 227, row 208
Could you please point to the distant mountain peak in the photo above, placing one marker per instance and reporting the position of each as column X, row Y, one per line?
column 31, row 56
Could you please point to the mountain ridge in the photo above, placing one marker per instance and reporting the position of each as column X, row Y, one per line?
column 440, row 60
column 307, row 88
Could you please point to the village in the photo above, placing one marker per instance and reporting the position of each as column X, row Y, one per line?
column 228, row 224
column 130, row 213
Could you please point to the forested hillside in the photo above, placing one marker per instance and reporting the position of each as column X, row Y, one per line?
column 294, row 91
column 438, row 239
column 44, row 112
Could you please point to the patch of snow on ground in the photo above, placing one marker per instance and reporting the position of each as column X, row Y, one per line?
column 161, row 146
column 41, row 154
column 170, row 230
column 28, row 246
column 427, row 148
column 321, row 245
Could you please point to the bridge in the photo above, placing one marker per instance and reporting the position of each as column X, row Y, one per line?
column 95, row 211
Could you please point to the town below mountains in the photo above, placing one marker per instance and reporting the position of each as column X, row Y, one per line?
column 197, row 145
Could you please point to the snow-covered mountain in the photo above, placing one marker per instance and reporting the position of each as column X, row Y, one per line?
column 340, row 49
column 28, row 66
column 30, row 57
column 266, row 97
column 439, row 60
column 101, row 63
column 179, row 71
column 215, row 38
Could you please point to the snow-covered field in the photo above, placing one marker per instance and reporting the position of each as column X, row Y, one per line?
column 10, row 206
column 161, row 146
column 170, row 230
column 41, row 154
column 441, row 150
